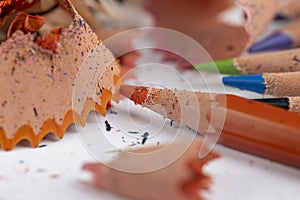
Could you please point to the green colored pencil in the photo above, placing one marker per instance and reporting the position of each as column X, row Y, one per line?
column 278, row 61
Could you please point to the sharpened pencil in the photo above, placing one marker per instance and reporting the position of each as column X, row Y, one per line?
column 278, row 61
column 288, row 103
column 248, row 124
column 276, row 84
column 288, row 37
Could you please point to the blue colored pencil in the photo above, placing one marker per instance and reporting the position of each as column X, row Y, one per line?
column 277, row 84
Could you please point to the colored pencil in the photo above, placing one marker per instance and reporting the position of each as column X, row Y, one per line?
column 288, row 103
column 249, row 126
column 278, row 61
column 290, row 11
column 277, row 84
column 288, row 37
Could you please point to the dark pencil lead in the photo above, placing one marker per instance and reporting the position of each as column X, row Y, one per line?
column 108, row 126
column 145, row 137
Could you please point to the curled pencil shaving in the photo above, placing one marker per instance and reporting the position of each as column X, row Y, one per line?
column 53, row 82
column 50, row 41
column 204, row 22
column 183, row 179
column 10, row 7
column 259, row 15
column 8, row 10
column 26, row 23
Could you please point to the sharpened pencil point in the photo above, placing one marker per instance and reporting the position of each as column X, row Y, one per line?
column 278, row 102
column 254, row 83
column 221, row 66
column 278, row 41
column 137, row 94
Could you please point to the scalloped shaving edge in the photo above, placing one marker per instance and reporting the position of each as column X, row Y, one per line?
column 26, row 132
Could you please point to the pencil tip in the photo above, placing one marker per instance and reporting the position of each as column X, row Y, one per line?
column 278, row 41
column 254, row 83
column 137, row 94
column 220, row 66
column 278, row 102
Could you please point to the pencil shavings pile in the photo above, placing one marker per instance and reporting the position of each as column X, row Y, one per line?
column 205, row 22
column 181, row 180
column 49, row 82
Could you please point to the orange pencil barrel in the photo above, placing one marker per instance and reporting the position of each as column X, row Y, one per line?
column 261, row 130
column 249, row 126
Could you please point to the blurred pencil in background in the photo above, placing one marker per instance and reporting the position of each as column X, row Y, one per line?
column 288, row 37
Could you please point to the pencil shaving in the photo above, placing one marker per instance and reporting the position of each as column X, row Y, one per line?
column 182, row 180
column 259, row 15
column 200, row 20
column 40, row 77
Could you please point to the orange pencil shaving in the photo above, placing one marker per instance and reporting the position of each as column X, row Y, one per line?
column 181, row 180
column 249, row 126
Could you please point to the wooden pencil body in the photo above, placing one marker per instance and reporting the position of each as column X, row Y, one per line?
column 294, row 104
column 260, row 129
column 183, row 107
column 282, row 84
column 278, row 61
